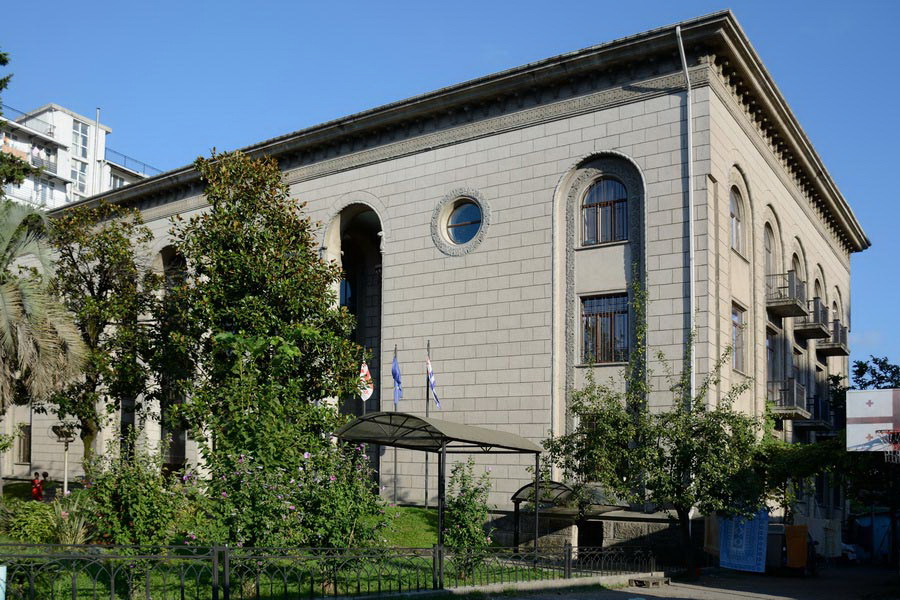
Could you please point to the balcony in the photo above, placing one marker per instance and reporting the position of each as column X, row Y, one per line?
column 788, row 398
column 815, row 325
column 786, row 295
column 27, row 120
column 132, row 164
column 48, row 166
column 836, row 343
column 820, row 418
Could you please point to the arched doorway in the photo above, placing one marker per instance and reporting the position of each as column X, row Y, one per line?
column 354, row 239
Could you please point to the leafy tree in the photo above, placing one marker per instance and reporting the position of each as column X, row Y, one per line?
column 697, row 454
column 104, row 283
column 251, row 335
column 40, row 349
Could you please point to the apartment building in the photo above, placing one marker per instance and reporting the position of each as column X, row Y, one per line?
column 71, row 151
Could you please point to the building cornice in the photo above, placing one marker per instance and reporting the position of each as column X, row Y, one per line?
column 715, row 39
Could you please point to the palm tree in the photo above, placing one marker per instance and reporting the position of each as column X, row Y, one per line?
column 40, row 347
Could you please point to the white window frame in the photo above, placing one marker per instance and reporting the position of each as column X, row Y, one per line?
column 79, row 175
column 79, row 139
column 738, row 339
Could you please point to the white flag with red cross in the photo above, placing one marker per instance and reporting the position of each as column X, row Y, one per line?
column 868, row 412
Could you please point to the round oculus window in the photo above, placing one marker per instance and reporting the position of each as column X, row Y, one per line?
column 464, row 221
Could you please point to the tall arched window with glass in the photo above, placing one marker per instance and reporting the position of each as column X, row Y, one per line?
column 605, row 213
column 737, row 221
column 770, row 260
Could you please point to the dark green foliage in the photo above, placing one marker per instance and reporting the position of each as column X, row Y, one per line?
column 28, row 521
column 131, row 500
column 102, row 276
column 250, row 335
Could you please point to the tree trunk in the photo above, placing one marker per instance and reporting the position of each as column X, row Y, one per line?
column 684, row 525
column 89, row 430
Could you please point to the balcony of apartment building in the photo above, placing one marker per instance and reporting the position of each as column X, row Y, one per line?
column 815, row 324
column 836, row 342
column 133, row 165
column 786, row 295
column 788, row 398
column 821, row 417
column 30, row 121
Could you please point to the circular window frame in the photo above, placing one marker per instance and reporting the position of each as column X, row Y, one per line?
column 441, row 216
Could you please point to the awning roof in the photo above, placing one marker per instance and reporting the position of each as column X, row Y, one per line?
column 403, row 430
column 552, row 492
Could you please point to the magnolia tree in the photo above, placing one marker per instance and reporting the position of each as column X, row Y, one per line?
column 700, row 453
column 251, row 337
column 103, row 276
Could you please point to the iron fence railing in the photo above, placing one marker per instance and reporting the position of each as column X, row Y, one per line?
column 27, row 120
column 47, row 165
column 132, row 164
column 787, row 394
column 785, row 286
column 223, row 573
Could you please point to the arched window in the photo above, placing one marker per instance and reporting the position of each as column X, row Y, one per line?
column 769, row 246
column 797, row 267
column 737, row 220
column 605, row 212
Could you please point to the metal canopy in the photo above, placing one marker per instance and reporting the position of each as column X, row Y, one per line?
column 403, row 430
column 552, row 492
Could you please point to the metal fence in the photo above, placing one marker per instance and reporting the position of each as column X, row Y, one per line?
column 40, row 572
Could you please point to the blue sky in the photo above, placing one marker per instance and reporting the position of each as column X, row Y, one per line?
column 174, row 79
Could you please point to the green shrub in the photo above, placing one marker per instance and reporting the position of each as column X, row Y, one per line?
column 28, row 521
column 133, row 502
column 466, row 515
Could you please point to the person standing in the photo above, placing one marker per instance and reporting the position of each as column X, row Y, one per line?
column 37, row 488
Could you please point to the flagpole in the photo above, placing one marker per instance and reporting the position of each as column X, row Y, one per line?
column 395, row 447
column 427, row 404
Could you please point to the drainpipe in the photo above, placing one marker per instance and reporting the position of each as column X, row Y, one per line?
column 96, row 179
column 690, row 200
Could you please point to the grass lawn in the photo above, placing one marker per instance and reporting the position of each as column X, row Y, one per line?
column 412, row 527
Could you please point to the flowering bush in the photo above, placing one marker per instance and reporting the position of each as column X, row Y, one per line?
column 466, row 515
column 325, row 501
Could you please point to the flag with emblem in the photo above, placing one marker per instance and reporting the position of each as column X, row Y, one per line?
column 431, row 384
column 366, row 389
column 395, row 373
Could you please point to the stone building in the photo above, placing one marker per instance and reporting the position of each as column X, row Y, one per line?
column 503, row 220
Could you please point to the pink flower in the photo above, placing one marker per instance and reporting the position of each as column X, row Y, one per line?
column 224, row 495
column 332, row 478
column 291, row 507
column 306, row 455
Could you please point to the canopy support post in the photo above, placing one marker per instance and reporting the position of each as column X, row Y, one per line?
column 537, row 500
column 516, row 519
column 442, row 492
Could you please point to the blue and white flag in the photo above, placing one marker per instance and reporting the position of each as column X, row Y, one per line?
column 431, row 381
column 398, row 387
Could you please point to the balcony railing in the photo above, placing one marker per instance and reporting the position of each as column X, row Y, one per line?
column 788, row 398
column 25, row 196
column 27, row 120
column 48, row 165
column 821, row 418
column 836, row 343
column 131, row 164
column 815, row 325
column 786, row 295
